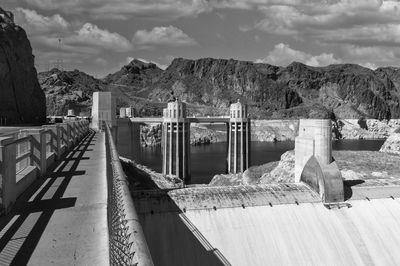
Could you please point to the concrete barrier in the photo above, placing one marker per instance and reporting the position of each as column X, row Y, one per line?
column 38, row 149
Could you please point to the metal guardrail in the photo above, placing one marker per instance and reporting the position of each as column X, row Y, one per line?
column 127, row 243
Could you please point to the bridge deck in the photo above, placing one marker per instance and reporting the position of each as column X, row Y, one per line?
column 191, row 119
column 62, row 219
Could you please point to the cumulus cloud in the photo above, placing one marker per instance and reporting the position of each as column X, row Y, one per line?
column 283, row 55
column 345, row 21
column 169, row 36
column 90, row 34
column 372, row 56
column 47, row 31
column 35, row 23
column 123, row 9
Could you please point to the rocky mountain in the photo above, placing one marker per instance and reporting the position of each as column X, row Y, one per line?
column 21, row 99
column 210, row 85
column 69, row 90
column 136, row 74
column 133, row 84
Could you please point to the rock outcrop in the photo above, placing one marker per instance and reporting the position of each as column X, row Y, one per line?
column 21, row 99
column 360, row 166
column 392, row 144
column 69, row 90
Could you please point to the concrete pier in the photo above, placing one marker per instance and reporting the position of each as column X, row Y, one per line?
column 238, row 139
column 176, row 141
column 314, row 164
column 103, row 109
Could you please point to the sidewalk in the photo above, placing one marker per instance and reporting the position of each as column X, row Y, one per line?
column 62, row 218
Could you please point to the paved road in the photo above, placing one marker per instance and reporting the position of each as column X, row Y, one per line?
column 62, row 220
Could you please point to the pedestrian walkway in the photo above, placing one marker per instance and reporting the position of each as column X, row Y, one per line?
column 62, row 218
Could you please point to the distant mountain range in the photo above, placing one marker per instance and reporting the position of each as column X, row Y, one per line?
column 209, row 85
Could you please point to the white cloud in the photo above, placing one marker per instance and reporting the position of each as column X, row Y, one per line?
column 373, row 56
column 369, row 65
column 35, row 23
column 363, row 22
column 123, row 9
column 53, row 37
column 283, row 55
column 169, row 36
column 46, row 31
column 101, row 61
column 90, row 34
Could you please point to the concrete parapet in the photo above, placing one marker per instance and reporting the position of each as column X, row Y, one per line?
column 27, row 152
column 314, row 164
column 38, row 146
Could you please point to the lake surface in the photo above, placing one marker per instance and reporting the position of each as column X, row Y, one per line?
column 209, row 160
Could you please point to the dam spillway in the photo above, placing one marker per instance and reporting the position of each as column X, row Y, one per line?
column 274, row 224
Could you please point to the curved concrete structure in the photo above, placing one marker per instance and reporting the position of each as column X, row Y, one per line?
column 314, row 164
column 326, row 180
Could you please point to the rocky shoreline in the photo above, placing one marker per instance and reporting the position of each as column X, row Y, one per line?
column 353, row 165
column 280, row 130
column 142, row 177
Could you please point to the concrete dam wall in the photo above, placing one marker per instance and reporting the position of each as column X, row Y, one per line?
column 367, row 233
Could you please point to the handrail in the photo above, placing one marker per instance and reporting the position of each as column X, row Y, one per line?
column 23, row 156
column 20, row 140
column 128, row 245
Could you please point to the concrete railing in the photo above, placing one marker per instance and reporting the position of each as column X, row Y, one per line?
column 128, row 245
column 27, row 154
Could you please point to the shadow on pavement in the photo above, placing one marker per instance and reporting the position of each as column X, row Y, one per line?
column 23, row 227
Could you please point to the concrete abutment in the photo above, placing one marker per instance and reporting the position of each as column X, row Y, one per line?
column 314, row 164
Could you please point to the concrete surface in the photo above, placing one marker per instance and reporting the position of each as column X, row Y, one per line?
column 182, row 227
column 62, row 218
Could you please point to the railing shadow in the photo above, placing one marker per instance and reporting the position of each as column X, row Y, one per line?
column 15, row 221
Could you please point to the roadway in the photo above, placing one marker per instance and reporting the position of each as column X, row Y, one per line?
column 62, row 218
column 191, row 119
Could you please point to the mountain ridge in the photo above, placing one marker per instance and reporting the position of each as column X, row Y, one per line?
column 272, row 92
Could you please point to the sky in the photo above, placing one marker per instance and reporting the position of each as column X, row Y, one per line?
column 100, row 36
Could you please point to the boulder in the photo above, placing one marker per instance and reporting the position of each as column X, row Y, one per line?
column 392, row 144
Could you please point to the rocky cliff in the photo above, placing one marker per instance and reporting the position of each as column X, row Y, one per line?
column 69, row 90
column 21, row 99
column 209, row 85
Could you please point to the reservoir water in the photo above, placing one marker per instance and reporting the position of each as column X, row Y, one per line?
column 209, row 160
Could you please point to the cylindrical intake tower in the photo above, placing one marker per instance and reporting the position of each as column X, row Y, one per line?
column 238, row 139
column 176, row 141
